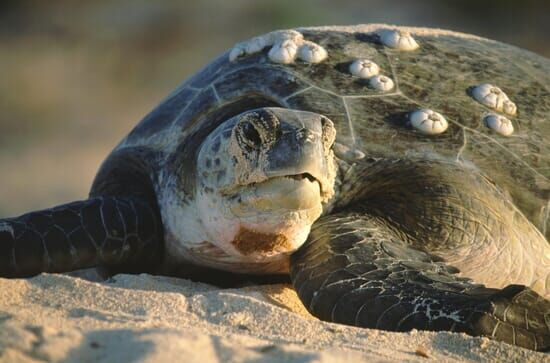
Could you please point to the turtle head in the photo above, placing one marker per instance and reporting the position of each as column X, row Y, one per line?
column 263, row 177
column 268, row 145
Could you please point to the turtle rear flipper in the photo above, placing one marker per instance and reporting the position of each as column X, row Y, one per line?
column 356, row 271
column 111, row 231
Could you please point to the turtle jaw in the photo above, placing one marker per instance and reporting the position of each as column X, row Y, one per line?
column 262, row 222
column 286, row 193
column 320, row 178
column 273, row 218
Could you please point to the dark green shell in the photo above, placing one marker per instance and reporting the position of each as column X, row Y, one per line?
column 437, row 76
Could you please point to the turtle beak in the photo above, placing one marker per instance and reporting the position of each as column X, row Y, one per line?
column 300, row 155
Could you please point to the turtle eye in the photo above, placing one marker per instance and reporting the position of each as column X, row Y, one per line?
column 257, row 128
column 250, row 134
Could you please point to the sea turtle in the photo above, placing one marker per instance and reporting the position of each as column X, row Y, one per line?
column 400, row 175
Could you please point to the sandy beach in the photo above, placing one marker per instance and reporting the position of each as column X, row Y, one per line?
column 144, row 318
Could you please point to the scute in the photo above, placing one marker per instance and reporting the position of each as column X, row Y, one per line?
column 247, row 81
column 161, row 118
column 332, row 106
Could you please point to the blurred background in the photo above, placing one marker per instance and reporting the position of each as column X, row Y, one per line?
column 76, row 76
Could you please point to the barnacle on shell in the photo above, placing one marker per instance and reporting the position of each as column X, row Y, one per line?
column 364, row 68
column 493, row 97
column 398, row 39
column 428, row 121
column 499, row 124
column 286, row 46
column 284, row 52
column 381, row 83
column 237, row 51
column 312, row 53
column 256, row 44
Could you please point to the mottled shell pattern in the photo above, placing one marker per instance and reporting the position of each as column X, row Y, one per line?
column 391, row 92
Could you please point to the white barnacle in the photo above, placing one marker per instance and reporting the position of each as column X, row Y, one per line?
column 289, row 44
column 312, row 53
column 398, row 39
column 252, row 46
column 381, row 83
column 499, row 124
column 6, row 227
column 280, row 36
column 428, row 121
column 285, row 45
column 284, row 52
column 364, row 68
column 256, row 44
column 509, row 107
column 347, row 152
column 493, row 97
column 237, row 51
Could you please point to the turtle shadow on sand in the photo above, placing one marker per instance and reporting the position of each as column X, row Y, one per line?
column 125, row 345
column 116, row 345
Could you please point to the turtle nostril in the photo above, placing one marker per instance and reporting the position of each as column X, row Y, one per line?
column 305, row 135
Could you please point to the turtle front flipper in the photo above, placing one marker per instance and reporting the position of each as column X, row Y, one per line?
column 109, row 231
column 354, row 270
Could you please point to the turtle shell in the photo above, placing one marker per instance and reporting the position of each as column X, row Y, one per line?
column 438, row 75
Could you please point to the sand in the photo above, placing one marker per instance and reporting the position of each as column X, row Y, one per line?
column 145, row 318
